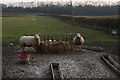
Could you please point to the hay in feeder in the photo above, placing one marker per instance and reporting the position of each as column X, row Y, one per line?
column 55, row 47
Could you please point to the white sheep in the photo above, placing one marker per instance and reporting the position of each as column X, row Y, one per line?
column 34, row 19
column 30, row 41
column 78, row 40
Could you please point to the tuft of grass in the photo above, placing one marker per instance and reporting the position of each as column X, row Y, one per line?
column 15, row 27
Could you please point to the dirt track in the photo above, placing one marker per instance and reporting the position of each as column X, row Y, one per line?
column 85, row 64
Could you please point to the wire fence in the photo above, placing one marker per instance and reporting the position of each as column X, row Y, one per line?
column 67, row 37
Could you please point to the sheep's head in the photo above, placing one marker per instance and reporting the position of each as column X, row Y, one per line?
column 77, row 37
column 37, row 38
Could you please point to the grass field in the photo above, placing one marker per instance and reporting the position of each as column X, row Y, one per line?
column 15, row 27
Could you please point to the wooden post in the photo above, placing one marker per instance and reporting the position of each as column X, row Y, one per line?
column 66, row 38
column 44, row 37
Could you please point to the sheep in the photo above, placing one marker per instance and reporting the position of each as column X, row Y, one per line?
column 30, row 41
column 34, row 19
column 78, row 40
column 11, row 44
column 50, row 40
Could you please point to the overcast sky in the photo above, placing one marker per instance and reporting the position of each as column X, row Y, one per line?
column 7, row 1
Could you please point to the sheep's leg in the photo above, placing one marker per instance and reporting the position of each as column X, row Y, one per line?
column 79, row 48
column 21, row 48
column 35, row 50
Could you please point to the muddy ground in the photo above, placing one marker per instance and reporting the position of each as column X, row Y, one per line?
column 83, row 64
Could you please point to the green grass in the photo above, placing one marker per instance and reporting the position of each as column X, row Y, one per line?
column 15, row 27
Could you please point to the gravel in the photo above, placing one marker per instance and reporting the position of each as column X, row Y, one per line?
column 87, row 64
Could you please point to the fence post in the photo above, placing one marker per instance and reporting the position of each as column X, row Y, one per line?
column 62, row 37
column 41, row 37
column 66, row 37
column 44, row 37
column 71, row 37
